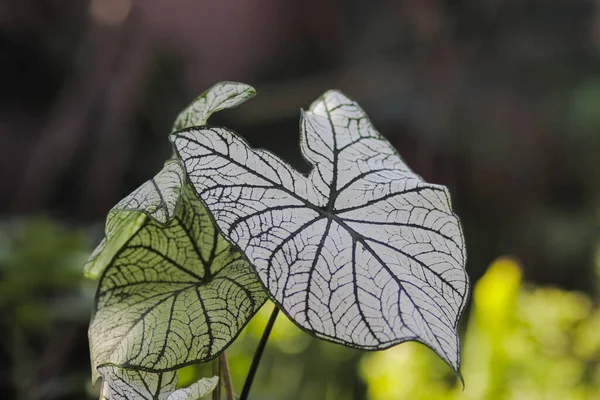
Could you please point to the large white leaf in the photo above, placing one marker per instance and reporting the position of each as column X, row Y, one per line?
column 122, row 384
column 361, row 251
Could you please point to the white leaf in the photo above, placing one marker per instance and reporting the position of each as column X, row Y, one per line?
column 195, row 390
column 219, row 97
column 124, row 384
column 158, row 197
column 361, row 251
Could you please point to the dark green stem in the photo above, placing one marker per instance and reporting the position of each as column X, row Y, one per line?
column 258, row 354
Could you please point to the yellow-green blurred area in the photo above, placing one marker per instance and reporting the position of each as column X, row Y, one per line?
column 499, row 100
column 520, row 342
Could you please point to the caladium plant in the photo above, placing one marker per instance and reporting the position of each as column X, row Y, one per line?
column 361, row 251
column 172, row 291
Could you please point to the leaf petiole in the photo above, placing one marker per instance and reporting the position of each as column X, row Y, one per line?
column 226, row 376
column 258, row 354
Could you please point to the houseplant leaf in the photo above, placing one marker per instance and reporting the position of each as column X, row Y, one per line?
column 362, row 251
column 172, row 295
column 150, row 241
column 158, row 198
column 122, row 384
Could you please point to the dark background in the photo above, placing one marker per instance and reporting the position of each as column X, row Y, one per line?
column 497, row 99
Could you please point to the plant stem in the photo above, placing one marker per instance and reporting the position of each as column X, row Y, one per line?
column 258, row 354
column 216, row 370
column 226, row 376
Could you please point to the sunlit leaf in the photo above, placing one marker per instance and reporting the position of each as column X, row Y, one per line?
column 119, row 228
column 122, row 384
column 362, row 251
column 158, row 198
column 173, row 295
column 196, row 390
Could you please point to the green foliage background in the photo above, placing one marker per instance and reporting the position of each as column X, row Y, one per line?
column 520, row 340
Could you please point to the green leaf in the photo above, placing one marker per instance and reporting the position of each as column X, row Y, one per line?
column 220, row 96
column 172, row 296
column 361, row 251
column 122, row 384
column 158, row 198
column 119, row 228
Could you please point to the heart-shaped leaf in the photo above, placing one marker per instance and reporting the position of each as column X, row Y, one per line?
column 361, row 251
column 158, row 198
column 172, row 295
column 122, row 384
column 173, row 291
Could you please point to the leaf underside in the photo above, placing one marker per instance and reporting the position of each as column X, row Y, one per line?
column 173, row 295
column 361, row 251
column 122, row 384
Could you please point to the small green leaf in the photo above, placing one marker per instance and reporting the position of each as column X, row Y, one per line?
column 158, row 198
column 221, row 96
column 172, row 295
column 122, row 384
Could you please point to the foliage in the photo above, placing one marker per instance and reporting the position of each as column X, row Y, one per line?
column 172, row 291
column 38, row 259
column 549, row 338
column 362, row 251
column 44, row 305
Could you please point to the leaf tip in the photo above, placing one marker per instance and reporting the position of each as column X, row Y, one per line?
column 460, row 377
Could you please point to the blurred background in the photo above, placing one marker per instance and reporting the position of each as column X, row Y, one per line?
column 497, row 99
